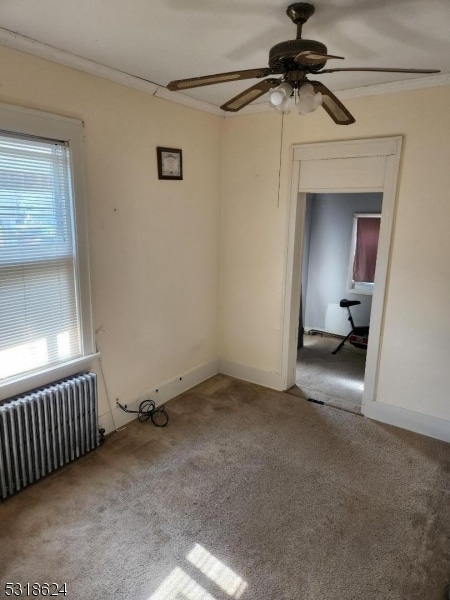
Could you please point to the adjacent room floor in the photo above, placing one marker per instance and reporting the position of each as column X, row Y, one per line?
column 335, row 379
column 248, row 493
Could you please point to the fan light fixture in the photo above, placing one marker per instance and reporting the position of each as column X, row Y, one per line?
column 285, row 95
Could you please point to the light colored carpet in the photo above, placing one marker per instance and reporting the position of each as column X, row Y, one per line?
column 335, row 379
column 247, row 493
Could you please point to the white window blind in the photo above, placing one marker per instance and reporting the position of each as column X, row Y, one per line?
column 39, row 314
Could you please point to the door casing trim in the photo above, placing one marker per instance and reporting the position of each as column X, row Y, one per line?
column 388, row 149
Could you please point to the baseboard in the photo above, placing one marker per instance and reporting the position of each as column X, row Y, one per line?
column 269, row 379
column 117, row 418
column 378, row 411
column 314, row 331
column 408, row 419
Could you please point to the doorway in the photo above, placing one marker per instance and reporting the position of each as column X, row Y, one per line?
column 334, row 244
column 351, row 167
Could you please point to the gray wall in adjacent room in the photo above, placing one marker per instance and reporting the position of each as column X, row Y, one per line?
column 326, row 253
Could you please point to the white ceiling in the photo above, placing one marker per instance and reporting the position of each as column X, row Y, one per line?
column 162, row 40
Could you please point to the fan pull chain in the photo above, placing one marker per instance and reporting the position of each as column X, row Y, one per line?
column 281, row 151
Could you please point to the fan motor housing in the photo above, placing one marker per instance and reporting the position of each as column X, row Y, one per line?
column 281, row 56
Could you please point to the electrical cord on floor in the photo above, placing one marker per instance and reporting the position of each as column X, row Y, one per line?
column 107, row 394
column 147, row 410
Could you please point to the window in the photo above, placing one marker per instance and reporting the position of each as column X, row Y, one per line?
column 363, row 253
column 45, row 321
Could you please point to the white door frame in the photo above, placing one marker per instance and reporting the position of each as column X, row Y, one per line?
column 316, row 168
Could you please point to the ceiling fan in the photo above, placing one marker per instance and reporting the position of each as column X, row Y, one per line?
column 294, row 60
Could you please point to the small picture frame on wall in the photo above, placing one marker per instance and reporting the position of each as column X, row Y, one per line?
column 170, row 163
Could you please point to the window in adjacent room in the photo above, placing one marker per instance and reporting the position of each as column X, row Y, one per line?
column 44, row 293
column 363, row 253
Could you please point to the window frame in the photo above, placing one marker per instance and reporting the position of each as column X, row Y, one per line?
column 365, row 289
column 29, row 122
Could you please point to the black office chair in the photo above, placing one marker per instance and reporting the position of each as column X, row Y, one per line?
column 358, row 336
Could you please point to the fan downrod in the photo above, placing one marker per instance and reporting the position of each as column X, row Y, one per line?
column 282, row 55
column 299, row 13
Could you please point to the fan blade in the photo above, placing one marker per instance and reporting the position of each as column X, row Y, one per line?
column 309, row 59
column 250, row 94
column 332, row 105
column 184, row 84
column 381, row 70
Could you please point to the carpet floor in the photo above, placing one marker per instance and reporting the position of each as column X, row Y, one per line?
column 335, row 379
column 248, row 493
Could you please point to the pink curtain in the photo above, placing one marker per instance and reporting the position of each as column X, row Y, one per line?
column 367, row 234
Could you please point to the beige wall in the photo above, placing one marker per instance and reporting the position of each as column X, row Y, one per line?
column 414, row 371
column 153, row 244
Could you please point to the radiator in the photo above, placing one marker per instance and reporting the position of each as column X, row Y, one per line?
column 45, row 429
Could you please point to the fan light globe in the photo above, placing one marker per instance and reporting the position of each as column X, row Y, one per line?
column 308, row 100
column 280, row 95
column 277, row 97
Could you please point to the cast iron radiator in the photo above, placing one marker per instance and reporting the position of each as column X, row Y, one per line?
column 45, row 429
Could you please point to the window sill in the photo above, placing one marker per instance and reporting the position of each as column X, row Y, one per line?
column 361, row 292
column 366, row 289
column 24, row 384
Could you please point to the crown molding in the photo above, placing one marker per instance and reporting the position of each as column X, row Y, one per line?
column 179, row 98
column 251, row 109
column 30, row 46
column 405, row 85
